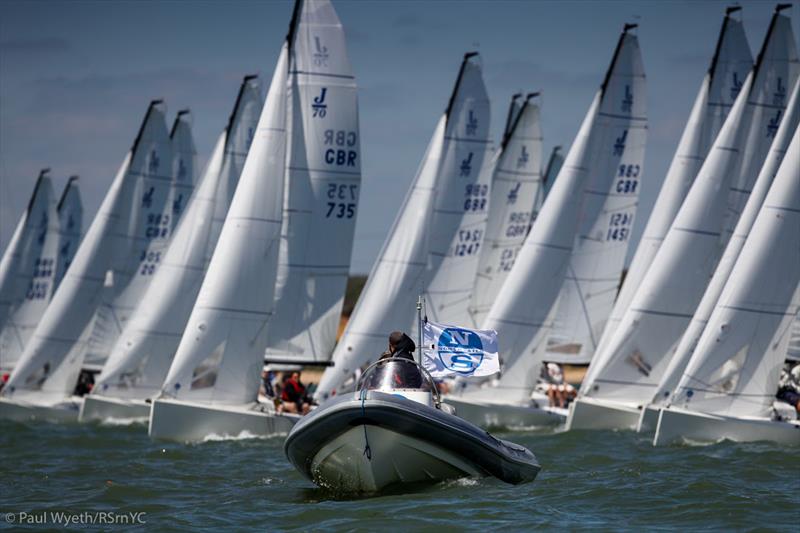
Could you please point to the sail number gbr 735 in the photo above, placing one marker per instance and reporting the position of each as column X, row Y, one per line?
column 341, row 151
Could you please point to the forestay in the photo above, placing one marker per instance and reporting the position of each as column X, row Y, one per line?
column 221, row 352
column 31, row 271
column 515, row 187
column 729, row 67
column 323, row 181
column 48, row 368
column 164, row 193
column 634, row 360
column 398, row 276
column 141, row 356
column 765, row 178
column 603, row 162
column 736, row 367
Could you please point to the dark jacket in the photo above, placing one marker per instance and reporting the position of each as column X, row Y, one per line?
column 403, row 346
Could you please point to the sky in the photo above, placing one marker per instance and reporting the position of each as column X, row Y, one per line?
column 76, row 79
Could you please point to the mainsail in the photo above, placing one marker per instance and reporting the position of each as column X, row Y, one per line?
column 589, row 205
column 29, row 280
column 48, row 368
column 323, row 181
column 398, row 276
column 735, row 369
column 221, row 352
column 730, row 64
column 141, row 356
column 780, row 144
column 515, row 188
column 633, row 361
column 163, row 198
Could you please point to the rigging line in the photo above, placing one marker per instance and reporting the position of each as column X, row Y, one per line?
column 583, row 306
column 367, row 449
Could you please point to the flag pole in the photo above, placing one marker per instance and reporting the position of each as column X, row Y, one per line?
column 420, row 304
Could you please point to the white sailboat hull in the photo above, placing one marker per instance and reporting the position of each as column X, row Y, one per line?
column 192, row 422
column 100, row 408
column 23, row 411
column 487, row 414
column 676, row 424
column 586, row 413
column 648, row 419
column 405, row 459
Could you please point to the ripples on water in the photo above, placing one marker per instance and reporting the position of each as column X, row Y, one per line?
column 589, row 479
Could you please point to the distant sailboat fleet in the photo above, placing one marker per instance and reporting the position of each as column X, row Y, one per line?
column 186, row 281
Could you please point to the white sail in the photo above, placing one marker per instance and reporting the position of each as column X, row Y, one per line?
column 140, row 359
column 33, row 279
column 689, row 340
column 323, row 181
column 634, row 360
column 793, row 352
column 515, row 187
column 461, row 203
column 221, row 352
column 730, row 64
column 603, row 165
column 398, row 276
column 70, row 216
column 736, row 366
column 595, row 266
column 48, row 368
column 162, row 205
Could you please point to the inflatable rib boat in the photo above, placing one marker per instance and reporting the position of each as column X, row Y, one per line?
column 395, row 430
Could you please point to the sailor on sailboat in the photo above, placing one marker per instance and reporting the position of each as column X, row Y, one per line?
column 624, row 375
column 575, row 250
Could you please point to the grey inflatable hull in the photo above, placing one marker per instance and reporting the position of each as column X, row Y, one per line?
column 356, row 445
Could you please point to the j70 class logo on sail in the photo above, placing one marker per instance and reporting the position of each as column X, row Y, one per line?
column 320, row 53
column 318, row 107
column 460, row 350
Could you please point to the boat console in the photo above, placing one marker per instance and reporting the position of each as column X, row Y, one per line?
column 401, row 377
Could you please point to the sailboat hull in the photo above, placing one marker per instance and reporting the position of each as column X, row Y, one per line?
column 22, row 411
column 193, row 422
column 506, row 416
column 648, row 419
column 99, row 408
column 585, row 413
column 675, row 425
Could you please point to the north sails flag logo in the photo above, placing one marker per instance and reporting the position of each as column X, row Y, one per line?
column 454, row 351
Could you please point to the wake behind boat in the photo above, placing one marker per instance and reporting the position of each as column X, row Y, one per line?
column 395, row 430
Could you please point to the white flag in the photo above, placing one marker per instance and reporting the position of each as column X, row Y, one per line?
column 454, row 351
